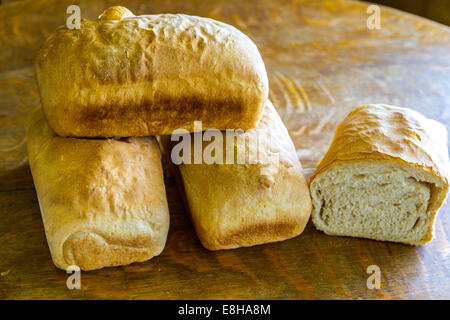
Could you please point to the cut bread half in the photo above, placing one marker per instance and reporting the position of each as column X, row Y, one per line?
column 384, row 177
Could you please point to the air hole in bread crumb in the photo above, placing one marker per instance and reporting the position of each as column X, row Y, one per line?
column 416, row 223
column 322, row 216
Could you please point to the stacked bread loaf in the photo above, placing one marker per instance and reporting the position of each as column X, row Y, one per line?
column 107, row 89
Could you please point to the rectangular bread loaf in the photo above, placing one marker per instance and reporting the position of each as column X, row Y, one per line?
column 103, row 201
column 252, row 202
column 384, row 177
column 124, row 75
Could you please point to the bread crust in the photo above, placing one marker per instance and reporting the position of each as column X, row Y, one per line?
column 235, row 205
column 124, row 75
column 379, row 132
column 102, row 201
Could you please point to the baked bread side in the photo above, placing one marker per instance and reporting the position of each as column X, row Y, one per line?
column 103, row 201
column 124, row 75
column 384, row 177
column 256, row 202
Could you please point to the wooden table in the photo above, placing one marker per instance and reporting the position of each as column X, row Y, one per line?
column 322, row 61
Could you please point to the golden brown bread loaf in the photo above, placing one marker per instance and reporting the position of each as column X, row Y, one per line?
column 124, row 75
column 234, row 205
column 102, row 201
column 384, row 177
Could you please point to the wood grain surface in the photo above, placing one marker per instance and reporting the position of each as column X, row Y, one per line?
column 322, row 61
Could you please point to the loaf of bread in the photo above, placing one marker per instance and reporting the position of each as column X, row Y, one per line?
column 384, row 177
column 103, row 201
column 124, row 75
column 251, row 202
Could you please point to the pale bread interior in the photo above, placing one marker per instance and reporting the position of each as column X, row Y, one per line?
column 378, row 200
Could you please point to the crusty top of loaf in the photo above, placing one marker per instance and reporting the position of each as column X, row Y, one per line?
column 131, row 43
column 384, row 132
column 121, row 66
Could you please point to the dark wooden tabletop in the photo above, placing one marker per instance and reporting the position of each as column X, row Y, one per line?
column 322, row 61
